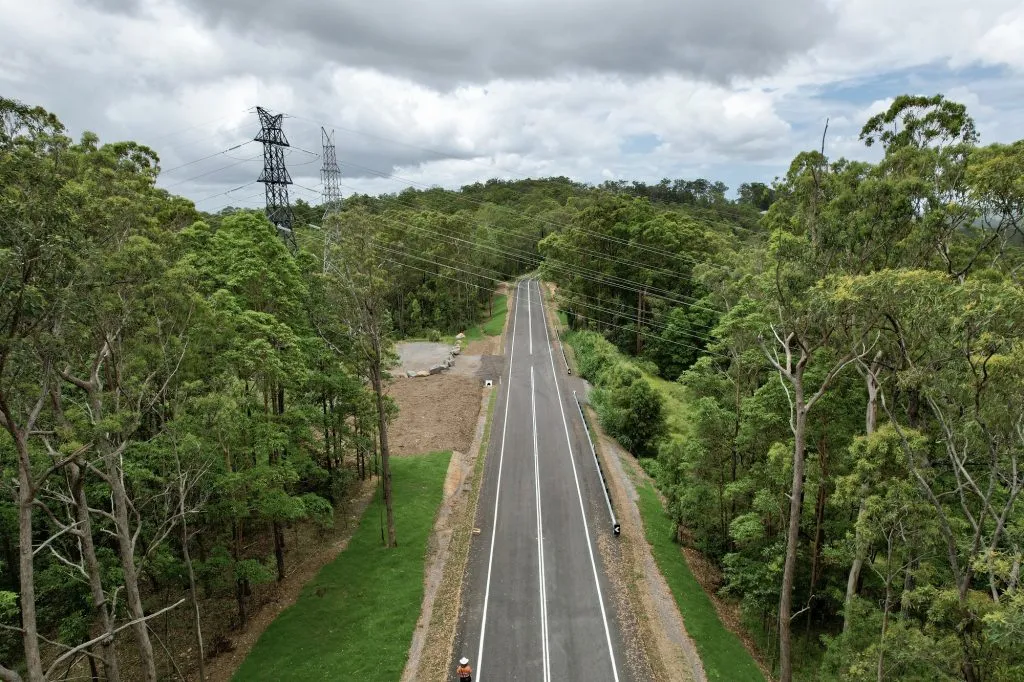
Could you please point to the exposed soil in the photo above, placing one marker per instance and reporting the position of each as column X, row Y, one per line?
column 447, row 552
column 438, row 412
column 430, row 655
column 489, row 345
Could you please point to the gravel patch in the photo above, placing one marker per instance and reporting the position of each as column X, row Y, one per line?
column 414, row 356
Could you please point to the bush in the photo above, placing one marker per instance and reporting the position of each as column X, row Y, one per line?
column 433, row 335
column 630, row 409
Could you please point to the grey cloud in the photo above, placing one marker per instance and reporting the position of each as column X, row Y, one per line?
column 472, row 41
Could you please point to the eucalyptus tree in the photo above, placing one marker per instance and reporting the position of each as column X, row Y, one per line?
column 360, row 269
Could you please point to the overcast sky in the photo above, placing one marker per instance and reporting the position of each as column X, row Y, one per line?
column 454, row 91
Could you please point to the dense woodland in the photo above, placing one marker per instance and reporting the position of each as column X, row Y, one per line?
column 853, row 373
column 179, row 391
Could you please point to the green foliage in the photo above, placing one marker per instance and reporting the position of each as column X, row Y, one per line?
column 355, row 619
column 629, row 408
column 234, row 379
column 721, row 652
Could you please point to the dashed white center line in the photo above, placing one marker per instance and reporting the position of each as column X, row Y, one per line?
column 546, row 655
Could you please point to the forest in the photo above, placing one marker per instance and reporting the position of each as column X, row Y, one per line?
column 823, row 375
column 841, row 428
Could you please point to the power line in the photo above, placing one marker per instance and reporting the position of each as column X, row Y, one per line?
column 596, row 254
column 210, row 156
column 403, row 254
column 736, row 212
column 558, row 309
column 561, row 226
column 651, row 324
column 575, row 270
column 220, row 194
column 211, row 172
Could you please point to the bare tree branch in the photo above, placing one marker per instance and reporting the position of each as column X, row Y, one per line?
column 86, row 645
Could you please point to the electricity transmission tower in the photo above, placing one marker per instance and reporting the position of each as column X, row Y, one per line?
column 330, row 175
column 275, row 176
column 330, row 181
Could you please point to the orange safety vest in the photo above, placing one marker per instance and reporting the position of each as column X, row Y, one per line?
column 464, row 672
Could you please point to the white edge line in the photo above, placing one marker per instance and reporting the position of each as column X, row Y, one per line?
column 497, row 493
column 579, row 494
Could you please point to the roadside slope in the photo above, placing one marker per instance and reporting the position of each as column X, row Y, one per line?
column 356, row 618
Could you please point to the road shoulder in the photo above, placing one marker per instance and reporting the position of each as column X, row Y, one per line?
column 658, row 645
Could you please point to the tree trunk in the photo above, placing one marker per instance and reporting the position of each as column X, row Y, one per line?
column 385, row 452
column 241, row 583
column 860, row 547
column 30, row 636
column 819, row 536
column 885, row 614
column 201, row 658
column 792, row 537
column 191, row 574
column 108, row 654
column 126, row 553
column 279, row 549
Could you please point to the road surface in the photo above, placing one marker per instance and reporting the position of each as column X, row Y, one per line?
column 536, row 604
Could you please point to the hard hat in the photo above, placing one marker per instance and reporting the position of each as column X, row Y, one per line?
column 464, row 660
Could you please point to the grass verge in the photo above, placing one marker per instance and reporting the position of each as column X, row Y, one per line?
column 355, row 619
column 494, row 324
column 721, row 651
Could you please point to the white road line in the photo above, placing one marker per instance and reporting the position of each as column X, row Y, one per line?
column 497, row 493
column 529, row 314
column 545, row 651
column 579, row 494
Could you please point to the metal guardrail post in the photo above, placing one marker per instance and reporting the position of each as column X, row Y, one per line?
column 600, row 471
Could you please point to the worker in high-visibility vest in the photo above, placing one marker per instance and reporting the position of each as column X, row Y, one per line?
column 464, row 671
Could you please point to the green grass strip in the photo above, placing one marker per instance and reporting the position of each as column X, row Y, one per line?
column 492, row 326
column 723, row 654
column 355, row 620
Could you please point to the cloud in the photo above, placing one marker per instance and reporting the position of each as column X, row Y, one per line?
column 459, row 91
column 468, row 41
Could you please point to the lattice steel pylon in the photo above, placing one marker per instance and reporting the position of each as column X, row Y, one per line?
column 275, row 176
column 330, row 175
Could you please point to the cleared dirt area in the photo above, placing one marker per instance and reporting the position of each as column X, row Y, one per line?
column 434, row 413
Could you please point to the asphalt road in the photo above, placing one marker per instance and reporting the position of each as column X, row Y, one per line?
column 536, row 605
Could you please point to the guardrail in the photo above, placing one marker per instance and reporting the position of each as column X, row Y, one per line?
column 561, row 346
column 600, row 471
